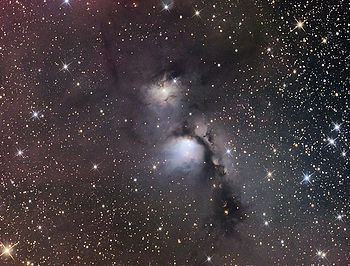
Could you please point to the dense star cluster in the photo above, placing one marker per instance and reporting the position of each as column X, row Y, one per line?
column 174, row 132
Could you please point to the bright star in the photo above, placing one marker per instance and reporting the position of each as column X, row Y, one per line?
column 300, row 24
column 339, row 217
column 269, row 175
column 197, row 13
column 95, row 167
column 336, row 127
column 307, row 178
column 228, row 152
column 65, row 67
column 321, row 254
column 35, row 115
column 208, row 259
column 66, row 2
column 167, row 6
column 331, row 141
column 20, row 153
column 7, row 250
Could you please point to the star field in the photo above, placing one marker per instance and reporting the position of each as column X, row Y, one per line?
column 174, row 132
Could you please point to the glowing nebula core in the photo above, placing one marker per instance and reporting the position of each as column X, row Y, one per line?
column 184, row 153
column 164, row 93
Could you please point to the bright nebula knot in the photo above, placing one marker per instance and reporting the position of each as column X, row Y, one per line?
column 184, row 153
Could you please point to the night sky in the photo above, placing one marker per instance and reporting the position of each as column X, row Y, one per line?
column 174, row 132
